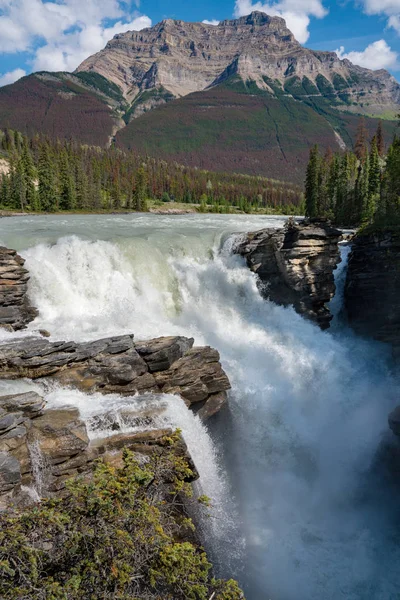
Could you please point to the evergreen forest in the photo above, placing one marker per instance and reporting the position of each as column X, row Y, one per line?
column 356, row 187
column 51, row 176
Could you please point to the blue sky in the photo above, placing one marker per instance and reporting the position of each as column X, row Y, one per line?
column 59, row 34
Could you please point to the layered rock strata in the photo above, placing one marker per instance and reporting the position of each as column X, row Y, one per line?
column 40, row 448
column 121, row 365
column 372, row 297
column 175, row 58
column 15, row 309
column 295, row 266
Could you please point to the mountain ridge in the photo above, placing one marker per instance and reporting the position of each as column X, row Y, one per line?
column 242, row 96
column 183, row 58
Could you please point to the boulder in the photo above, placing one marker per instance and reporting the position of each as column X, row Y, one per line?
column 10, row 472
column 213, row 405
column 29, row 403
column 161, row 353
column 295, row 266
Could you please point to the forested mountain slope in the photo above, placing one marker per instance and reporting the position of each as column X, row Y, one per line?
column 243, row 96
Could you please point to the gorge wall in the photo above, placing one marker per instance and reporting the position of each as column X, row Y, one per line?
column 372, row 298
column 15, row 309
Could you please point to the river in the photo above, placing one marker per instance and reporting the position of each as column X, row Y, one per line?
column 300, row 511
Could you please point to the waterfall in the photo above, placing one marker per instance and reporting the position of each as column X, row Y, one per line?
column 39, row 469
column 306, row 414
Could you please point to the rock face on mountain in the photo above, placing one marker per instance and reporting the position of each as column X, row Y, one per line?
column 120, row 365
column 41, row 448
column 180, row 58
column 295, row 266
column 372, row 297
column 15, row 309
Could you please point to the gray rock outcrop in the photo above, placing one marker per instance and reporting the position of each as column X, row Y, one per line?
column 120, row 365
column 295, row 266
column 15, row 309
column 372, row 297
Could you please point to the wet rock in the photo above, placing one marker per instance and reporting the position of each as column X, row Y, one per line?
column 44, row 333
column 15, row 309
column 213, row 405
column 161, row 353
column 59, row 434
column 10, row 472
column 295, row 266
column 29, row 403
column 118, row 365
column 10, row 421
column 195, row 376
column 372, row 298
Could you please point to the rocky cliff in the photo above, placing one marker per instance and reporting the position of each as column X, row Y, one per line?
column 122, row 366
column 15, row 309
column 372, row 297
column 180, row 58
column 295, row 266
column 41, row 448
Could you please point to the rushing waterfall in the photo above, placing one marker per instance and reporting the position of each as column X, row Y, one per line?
column 306, row 414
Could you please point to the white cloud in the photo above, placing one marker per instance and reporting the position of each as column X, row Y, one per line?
column 389, row 8
column 68, row 52
column 212, row 22
column 11, row 76
column 65, row 31
column 296, row 13
column 375, row 56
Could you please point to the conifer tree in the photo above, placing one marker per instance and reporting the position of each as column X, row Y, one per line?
column 380, row 139
column 374, row 169
column 361, row 145
column 312, row 184
column 140, row 191
column 47, row 181
column 67, row 184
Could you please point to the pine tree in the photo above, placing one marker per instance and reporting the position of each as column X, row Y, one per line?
column 140, row 191
column 380, row 139
column 81, row 186
column 374, row 169
column 67, row 184
column 47, row 181
column 19, row 186
column 30, row 176
column 361, row 146
column 5, row 191
column 312, row 184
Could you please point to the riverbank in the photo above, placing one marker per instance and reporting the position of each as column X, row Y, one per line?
column 157, row 208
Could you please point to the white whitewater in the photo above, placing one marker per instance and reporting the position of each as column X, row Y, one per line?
column 307, row 411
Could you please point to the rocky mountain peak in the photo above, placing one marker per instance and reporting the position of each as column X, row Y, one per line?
column 175, row 58
column 256, row 18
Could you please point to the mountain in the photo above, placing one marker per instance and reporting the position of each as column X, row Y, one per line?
column 85, row 106
column 241, row 96
column 174, row 59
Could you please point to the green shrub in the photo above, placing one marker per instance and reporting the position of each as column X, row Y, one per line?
column 121, row 534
